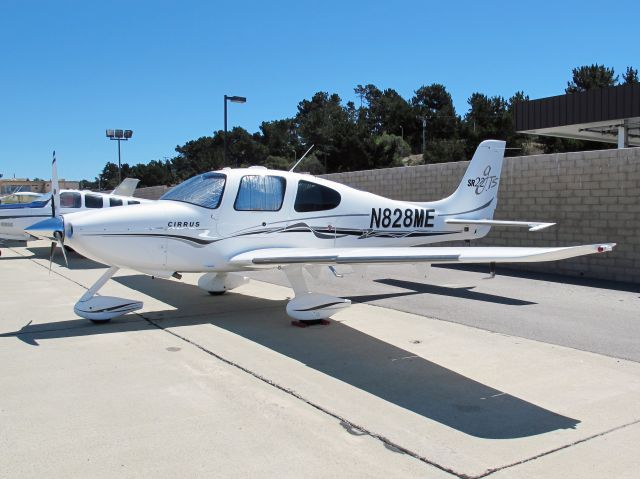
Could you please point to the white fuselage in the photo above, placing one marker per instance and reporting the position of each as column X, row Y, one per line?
column 14, row 218
column 175, row 236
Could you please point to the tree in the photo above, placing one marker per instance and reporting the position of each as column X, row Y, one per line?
column 434, row 104
column 630, row 76
column 385, row 111
column 323, row 122
column 390, row 149
column 280, row 138
column 245, row 149
column 154, row 173
column 488, row 117
column 589, row 77
column 277, row 163
column 196, row 156
column 109, row 175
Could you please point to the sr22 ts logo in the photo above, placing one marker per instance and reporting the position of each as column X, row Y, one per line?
column 484, row 183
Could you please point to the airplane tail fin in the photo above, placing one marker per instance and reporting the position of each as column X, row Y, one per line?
column 126, row 188
column 477, row 194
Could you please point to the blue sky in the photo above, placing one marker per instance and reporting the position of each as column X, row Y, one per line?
column 71, row 69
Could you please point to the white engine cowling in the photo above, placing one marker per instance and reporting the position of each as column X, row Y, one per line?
column 221, row 282
column 103, row 308
column 312, row 306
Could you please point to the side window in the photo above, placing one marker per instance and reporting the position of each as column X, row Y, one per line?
column 92, row 201
column 260, row 193
column 133, row 202
column 315, row 197
column 115, row 202
column 70, row 199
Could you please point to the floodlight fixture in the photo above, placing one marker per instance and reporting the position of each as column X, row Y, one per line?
column 119, row 135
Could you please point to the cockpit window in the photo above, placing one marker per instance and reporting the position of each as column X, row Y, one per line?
column 70, row 199
column 315, row 197
column 203, row 190
column 260, row 193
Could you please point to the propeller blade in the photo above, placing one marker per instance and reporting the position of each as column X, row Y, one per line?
column 60, row 239
column 51, row 253
column 55, row 189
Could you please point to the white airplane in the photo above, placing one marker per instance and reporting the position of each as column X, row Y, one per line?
column 16, row 217
column 254, row 218
column 20, row 197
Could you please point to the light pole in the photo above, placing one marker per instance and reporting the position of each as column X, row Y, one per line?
column 233, row 99
column 119, row 135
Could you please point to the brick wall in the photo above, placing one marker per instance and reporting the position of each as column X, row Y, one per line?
column 592, row 196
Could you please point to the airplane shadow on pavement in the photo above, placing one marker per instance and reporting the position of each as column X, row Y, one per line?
column 384, row 370
column 464, row 292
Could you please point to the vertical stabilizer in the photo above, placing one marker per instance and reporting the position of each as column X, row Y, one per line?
column 477, row 194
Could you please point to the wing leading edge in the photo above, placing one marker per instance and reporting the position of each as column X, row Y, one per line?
column 284, row 256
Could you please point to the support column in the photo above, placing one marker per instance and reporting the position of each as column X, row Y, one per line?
column 623, row 133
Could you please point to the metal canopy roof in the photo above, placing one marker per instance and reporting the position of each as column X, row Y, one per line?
column 594, row 115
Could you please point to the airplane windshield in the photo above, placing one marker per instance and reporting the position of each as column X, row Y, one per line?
column 202, row 190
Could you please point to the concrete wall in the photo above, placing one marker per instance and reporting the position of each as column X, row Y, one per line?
column 151, row 192
column 593, row 196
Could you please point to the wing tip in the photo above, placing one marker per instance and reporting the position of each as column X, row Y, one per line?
column 605, row 247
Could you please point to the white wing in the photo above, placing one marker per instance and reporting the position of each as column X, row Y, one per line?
column 283, row 256
column 532, row 225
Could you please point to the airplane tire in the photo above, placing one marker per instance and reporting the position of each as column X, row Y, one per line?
column 217, row 293
column 100, row 321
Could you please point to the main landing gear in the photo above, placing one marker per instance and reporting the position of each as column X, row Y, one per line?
column 307, row 308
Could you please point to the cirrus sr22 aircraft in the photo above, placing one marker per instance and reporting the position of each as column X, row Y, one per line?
column 254, row 218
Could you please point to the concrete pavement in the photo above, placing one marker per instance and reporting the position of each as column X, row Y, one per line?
column 197, row 385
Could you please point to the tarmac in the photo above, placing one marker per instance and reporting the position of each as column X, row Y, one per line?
column 398, row 385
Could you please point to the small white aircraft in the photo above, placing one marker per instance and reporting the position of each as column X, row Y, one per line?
column 16, row 217
column 255, row 218
column 20, row 197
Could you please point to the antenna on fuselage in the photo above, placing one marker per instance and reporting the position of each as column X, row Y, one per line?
column 301, row 158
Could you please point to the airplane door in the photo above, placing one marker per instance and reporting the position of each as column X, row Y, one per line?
column 258, row 209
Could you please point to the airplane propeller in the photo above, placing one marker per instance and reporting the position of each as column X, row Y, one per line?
column 53, row 227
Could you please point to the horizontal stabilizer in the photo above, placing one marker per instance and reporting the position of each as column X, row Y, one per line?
column 442, row 255
column 532, row 225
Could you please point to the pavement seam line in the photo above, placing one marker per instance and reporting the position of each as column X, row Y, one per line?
column 560, row 448
column 288, row 391
column 320, row 408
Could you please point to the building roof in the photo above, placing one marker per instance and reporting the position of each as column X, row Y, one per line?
column 591, row 115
